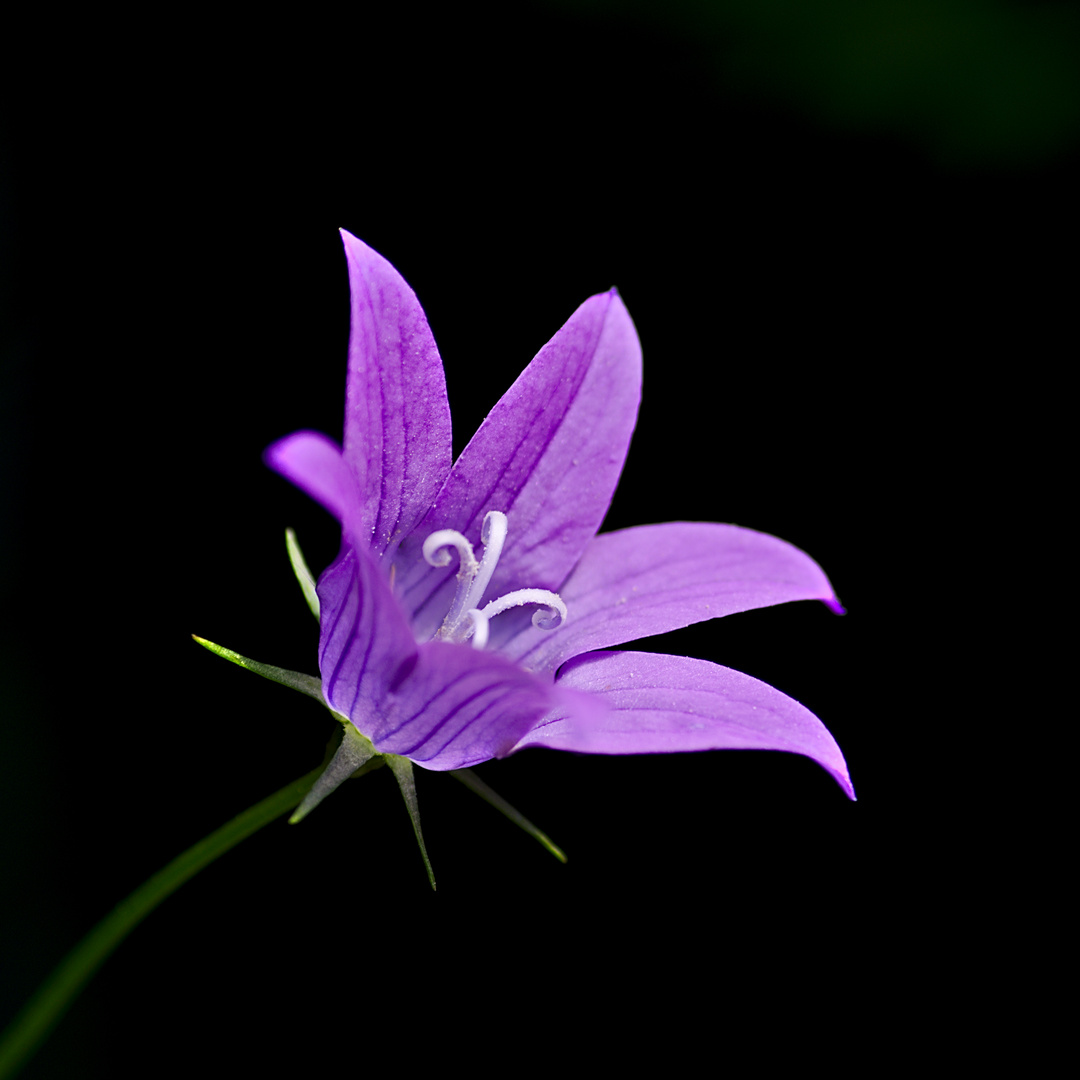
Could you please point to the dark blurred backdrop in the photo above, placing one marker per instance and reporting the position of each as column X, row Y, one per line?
column 836, row 227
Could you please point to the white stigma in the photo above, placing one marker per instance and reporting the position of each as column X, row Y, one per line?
column 466, row 618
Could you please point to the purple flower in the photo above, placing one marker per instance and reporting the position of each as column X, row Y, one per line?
column 472, row 607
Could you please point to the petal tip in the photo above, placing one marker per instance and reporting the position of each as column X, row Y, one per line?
column 357, row 253
column 313, row 462
column 280, row 454
column 272, row 456
column 846, row 785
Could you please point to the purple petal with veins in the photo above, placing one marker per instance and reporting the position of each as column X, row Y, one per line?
column 397, row 418
column 548, row 456
column 655, row 578
column 658, row 704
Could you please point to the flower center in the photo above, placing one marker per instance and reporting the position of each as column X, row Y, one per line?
column 466, row 619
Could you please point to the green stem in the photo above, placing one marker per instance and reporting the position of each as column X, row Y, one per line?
column 46, row 1007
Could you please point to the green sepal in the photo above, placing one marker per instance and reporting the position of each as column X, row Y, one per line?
column 303, row 574
column 306, row 684
column 403, row 770
column 351, row 756
column 475, row 784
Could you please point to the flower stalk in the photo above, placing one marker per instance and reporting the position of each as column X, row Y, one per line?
column 353, row 757
column 48, row 1005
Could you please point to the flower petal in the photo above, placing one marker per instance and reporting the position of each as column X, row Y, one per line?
column 457, row 707
column 315, row 465
column 365, row 644
column 548, row 455
column 663, row 704
column 397, row 418
column 655, row 578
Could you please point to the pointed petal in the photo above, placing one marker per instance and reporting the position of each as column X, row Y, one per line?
column 548, row 456
column 663, row 704
column 457, row 707
column 397, row 418
column 654, row 578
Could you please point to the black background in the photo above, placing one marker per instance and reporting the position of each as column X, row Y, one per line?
column 822, row 314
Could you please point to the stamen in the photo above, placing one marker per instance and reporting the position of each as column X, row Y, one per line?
column 480, row 629
column 437, row 550
column 437, row 553
column 492, row 536
column 465, row 618
column 545, row 620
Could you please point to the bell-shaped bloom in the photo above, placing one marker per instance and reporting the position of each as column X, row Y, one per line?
column 472, row 609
